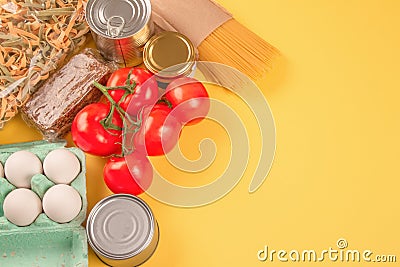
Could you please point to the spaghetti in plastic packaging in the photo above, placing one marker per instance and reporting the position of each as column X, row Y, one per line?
column 219, row 37
column 35, row 38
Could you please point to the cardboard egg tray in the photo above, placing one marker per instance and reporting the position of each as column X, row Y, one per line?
column 44, row 242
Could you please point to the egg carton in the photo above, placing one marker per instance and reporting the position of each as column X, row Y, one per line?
column 44, row 242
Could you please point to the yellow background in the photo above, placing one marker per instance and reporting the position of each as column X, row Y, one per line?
column 335, row 98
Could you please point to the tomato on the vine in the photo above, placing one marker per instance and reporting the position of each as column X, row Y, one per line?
column 143, row 94
column 130, row 175
column 163, row 106
column 159, row 131
column 189, row 99
column 94, row 135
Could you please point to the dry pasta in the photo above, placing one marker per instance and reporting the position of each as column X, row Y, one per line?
column 235, row 45
column 35, row 37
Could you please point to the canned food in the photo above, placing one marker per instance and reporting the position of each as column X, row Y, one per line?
column 169, row 55
column 122, row 230
column 120, row 28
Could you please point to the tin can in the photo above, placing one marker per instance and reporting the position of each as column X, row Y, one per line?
column 122, row 230
column 120, row 28
column 169, row 55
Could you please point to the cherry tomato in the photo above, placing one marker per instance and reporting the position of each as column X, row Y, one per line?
column 130, row 175
column 159, row 132
column 145, row 92
column 89, row 134
column 190, row 100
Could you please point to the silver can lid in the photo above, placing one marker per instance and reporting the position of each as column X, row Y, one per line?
column 120, row 227
column 116, row 19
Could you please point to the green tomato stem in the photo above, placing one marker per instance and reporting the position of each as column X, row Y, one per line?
column 103, row 89
column 114, row 105
column 165, row 101
column 107, row 123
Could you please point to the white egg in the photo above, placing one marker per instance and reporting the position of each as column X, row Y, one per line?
column 22, row 206
column 61, row 166
column 20, row 167
column 62, row 203
column 1, row 170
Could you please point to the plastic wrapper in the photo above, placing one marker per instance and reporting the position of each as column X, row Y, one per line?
column 35, row 38
column 53, row 107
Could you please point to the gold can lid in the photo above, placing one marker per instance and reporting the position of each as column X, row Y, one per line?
column 169, row 54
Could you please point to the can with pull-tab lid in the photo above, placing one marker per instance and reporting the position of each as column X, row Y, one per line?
column 120, row 28
column 122, row 230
